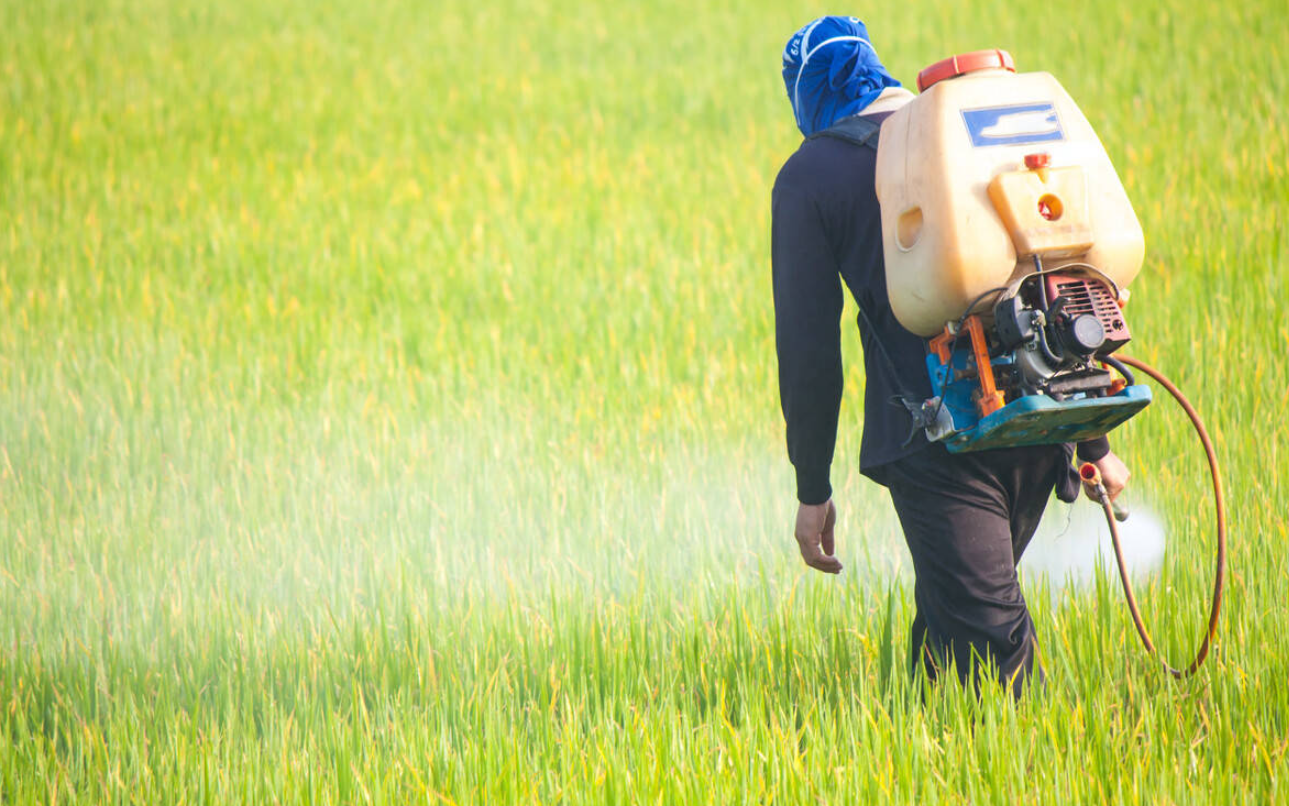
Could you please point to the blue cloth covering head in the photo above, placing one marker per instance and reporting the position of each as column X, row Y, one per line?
column 831, row 72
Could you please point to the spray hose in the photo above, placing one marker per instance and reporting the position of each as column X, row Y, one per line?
column 1092, row 480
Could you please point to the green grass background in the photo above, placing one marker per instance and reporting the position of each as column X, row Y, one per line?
column 388, row 414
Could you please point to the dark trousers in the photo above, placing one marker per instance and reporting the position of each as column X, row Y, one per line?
column 967, row 519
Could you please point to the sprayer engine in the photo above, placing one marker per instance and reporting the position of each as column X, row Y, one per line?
column 1054, row 328
column 1033, row 369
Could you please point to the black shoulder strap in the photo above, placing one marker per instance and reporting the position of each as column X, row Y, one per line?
column 855, row 129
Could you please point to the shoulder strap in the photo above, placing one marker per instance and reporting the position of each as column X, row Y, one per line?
column 855, row 129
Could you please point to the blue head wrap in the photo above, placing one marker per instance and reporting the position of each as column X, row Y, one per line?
column 831, row 71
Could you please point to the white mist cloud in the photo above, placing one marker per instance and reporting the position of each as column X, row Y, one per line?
column 1074, row 538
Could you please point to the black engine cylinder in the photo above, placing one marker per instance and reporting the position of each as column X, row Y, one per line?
column 1082, row 335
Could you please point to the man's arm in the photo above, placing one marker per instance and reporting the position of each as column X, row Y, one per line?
column 807, row 310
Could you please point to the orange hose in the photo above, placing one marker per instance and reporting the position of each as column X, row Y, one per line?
column 1219, row 572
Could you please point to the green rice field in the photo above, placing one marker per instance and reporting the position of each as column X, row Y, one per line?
column 388, row 414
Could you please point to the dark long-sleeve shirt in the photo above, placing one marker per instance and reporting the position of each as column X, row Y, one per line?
column 826, row 231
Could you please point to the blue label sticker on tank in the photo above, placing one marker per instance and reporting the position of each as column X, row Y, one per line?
column 1012, row 125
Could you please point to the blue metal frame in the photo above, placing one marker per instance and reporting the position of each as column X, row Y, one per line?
column 1031, row 420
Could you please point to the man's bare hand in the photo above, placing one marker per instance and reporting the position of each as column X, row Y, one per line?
column 1114, row 476
column 814, row 534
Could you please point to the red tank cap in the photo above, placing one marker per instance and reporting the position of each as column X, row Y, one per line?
column 964, row 63
column 1036, row 161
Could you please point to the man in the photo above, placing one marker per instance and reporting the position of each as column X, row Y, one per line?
column 967, row 518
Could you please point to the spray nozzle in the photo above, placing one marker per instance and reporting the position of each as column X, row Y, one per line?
column 1091, row 478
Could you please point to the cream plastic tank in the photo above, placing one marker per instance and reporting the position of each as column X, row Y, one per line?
column 981, row 172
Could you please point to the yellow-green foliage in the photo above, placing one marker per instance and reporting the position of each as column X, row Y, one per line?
column 388, row 412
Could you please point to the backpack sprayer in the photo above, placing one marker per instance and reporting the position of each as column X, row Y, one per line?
column 1009, row 243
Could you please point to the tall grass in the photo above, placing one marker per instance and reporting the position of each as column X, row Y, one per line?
column 387, row 413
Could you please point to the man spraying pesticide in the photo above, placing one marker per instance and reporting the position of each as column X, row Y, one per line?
column 990, row 282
